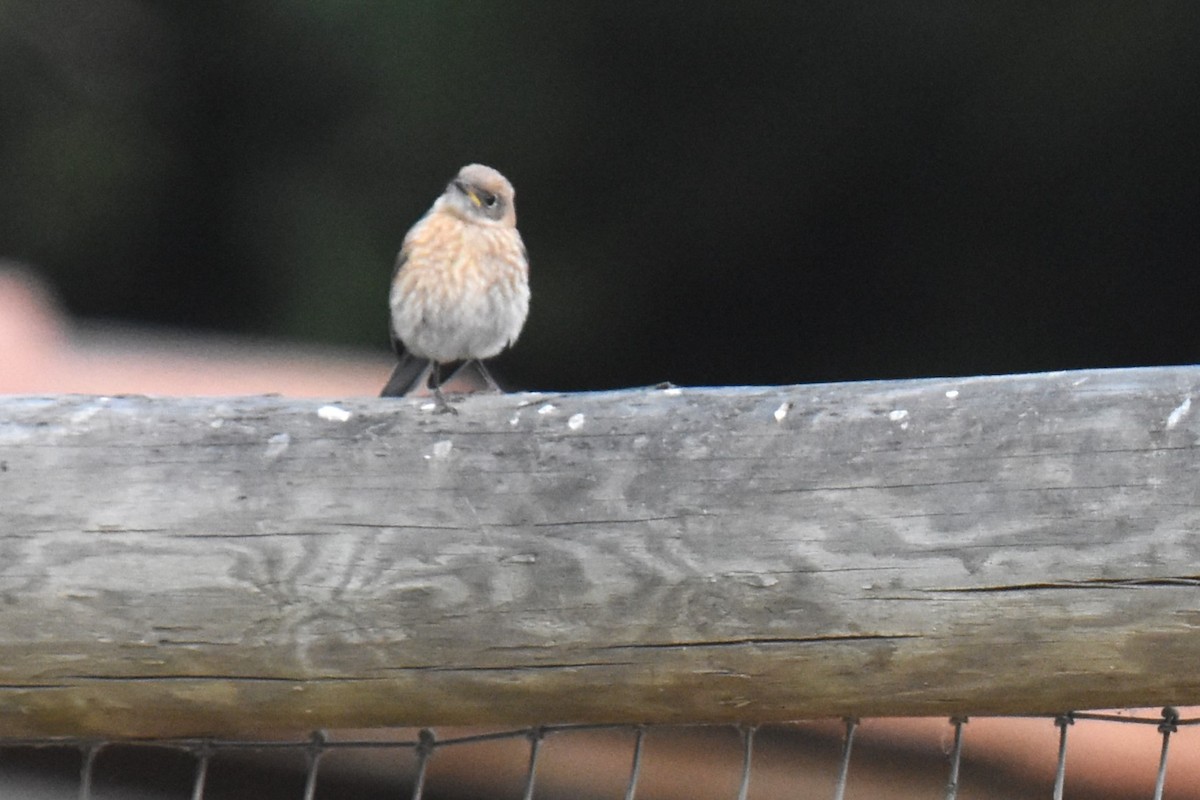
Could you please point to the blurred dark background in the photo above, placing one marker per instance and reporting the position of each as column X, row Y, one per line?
column 711, row 193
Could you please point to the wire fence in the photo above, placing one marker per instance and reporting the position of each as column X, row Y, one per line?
column 421, row 749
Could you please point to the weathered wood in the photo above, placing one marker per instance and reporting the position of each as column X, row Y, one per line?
column 981, row 545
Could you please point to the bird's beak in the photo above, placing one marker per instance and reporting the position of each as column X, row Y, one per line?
column 469, row 192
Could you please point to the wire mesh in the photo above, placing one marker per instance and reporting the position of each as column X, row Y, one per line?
column 425, row 747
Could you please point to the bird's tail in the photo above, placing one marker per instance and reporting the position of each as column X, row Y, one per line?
column 411, row 373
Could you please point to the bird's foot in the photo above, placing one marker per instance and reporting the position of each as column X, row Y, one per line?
column 443, row 405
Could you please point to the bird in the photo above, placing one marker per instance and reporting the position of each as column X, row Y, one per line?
column 460, row 287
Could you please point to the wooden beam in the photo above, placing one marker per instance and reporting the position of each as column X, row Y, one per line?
column 1009, row 544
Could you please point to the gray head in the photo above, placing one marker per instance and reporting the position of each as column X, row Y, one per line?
column 481, row 194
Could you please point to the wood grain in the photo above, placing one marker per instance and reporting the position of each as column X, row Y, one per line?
column 977, row 545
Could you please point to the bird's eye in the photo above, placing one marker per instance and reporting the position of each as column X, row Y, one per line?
column 489, row 200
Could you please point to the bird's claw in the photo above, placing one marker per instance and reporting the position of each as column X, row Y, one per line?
column 443, row 405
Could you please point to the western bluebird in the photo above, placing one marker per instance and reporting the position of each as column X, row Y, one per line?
column 460, row 290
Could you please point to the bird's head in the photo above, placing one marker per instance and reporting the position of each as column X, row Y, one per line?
column 481, row 194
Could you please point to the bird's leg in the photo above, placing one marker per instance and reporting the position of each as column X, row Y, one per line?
column 487, row 376
column 443, row 407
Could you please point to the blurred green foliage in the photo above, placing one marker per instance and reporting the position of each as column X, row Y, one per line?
column 710, row 192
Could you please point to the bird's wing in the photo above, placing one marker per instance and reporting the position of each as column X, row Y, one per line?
column 411, row 371
column 397, row 345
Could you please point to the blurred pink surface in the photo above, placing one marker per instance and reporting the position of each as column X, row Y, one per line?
column 43, row 352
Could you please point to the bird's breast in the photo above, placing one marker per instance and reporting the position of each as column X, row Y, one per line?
column 462, row 290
